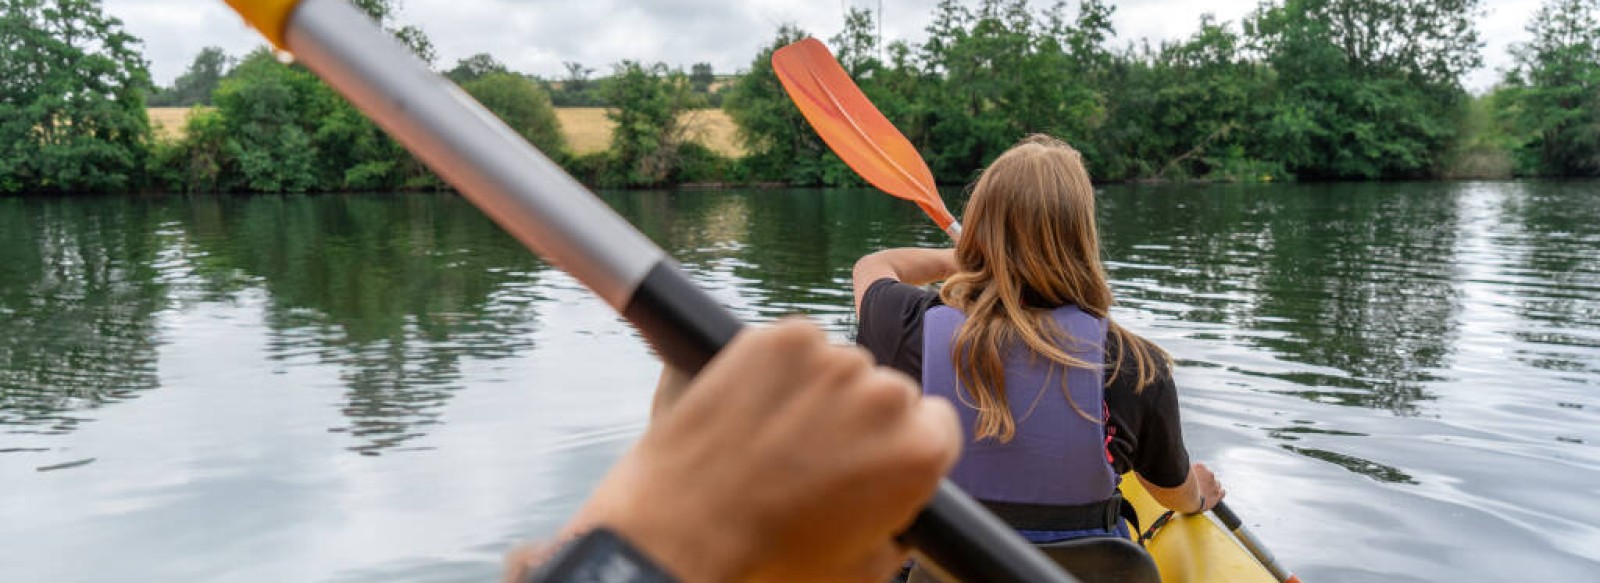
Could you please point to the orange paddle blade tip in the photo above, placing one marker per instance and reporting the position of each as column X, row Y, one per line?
column 853, row 128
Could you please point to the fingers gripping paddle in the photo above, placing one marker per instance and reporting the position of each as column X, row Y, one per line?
column 865, row 140
column 857, row 131
column 542, row 206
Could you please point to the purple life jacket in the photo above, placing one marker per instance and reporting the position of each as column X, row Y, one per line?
column 1057, row 456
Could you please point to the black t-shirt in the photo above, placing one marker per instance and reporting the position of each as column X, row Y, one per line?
column 1146, row 435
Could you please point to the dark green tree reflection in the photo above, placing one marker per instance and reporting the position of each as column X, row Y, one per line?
column 1552, row 231
column 1356, row 278
column 397, row 291
column 787, row 251
column 80, row 287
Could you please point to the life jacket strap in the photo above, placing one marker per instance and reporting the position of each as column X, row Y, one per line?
column 1102, row 515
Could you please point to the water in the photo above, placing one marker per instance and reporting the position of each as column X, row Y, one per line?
column 1395, row 382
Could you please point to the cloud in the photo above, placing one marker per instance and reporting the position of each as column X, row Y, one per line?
column 537, row 36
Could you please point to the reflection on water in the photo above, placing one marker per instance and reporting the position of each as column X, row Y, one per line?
column 1348, row 279
column 79, row 292
column 1367, row 468
column 395, row 292
column 1408, row 371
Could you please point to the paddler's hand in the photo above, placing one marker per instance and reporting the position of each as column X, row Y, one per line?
column 786, row 459
column 1207, row 486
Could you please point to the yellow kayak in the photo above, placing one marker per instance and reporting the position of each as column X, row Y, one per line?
column 1193, row 548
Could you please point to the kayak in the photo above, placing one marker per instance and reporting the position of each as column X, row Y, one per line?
column 1192, row 548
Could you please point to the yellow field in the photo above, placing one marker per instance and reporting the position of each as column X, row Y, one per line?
column 586, row 128
column 168, row 122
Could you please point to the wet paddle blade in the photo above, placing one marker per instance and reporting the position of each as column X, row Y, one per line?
column 854, row 129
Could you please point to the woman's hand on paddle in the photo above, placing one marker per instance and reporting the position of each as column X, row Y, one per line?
column 787, row 458
column 1207, row 486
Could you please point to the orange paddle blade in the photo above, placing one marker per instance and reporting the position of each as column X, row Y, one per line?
column 854, row 128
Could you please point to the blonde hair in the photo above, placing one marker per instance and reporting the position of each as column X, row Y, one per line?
column 1030, row 235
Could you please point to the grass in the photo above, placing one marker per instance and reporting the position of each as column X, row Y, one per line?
column 168, row 122
column 586, row 128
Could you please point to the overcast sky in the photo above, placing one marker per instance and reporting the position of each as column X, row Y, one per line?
column 536, row 36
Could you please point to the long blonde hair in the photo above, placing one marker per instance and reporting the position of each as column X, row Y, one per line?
column 1030, row 237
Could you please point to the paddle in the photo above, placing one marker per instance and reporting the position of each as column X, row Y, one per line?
column 876, row 150
column 1224, row 513
column 855, row 130
column 540, row 205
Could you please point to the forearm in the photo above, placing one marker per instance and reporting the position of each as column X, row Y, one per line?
column 912, row 265
column 1185, row 498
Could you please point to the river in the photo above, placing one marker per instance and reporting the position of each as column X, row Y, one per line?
column 1395, row 382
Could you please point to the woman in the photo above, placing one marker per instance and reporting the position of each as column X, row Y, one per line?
column 1056, row 399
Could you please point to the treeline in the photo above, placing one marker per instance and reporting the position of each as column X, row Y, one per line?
column 1299, row 89
column 1308, row 89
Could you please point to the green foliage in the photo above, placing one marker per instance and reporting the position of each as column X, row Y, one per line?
column 269, row 115
column 475, row 66
column 1007, row 73
column 194, row 87
column 1551, row 97
column 1319, row 89
column 648, row 106
column 1328, row 89
column 383, row 11
column 1366, row 88
column 576, row 89
column 781, row 146
column 277, row 128
column 1485, row 146
column 524, row 106
column 1187, row 109
column 72, row 90
column 701, row 78
column 194, row 163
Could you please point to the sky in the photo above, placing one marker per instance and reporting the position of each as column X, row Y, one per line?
column 537, row 36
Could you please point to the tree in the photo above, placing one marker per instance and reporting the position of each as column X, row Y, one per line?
column 781, row 145
column 701, row 77
column 648, row 103
column 1185, row 110
column 1007, row 73
column 194, row 86
column 475, row 66
column 576, row 88
column 524, row 106
column 72, row 88
column 577, row 79
column 267, row 114
column 384, row 12
column 1368, row 88
column 1552, row 93
column 856, row 46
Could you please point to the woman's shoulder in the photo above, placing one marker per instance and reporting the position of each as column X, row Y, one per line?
column 890, row 320
column 1137, row 366
column 889, row 295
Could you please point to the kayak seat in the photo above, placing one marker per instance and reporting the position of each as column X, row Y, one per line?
column 1090, row 560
